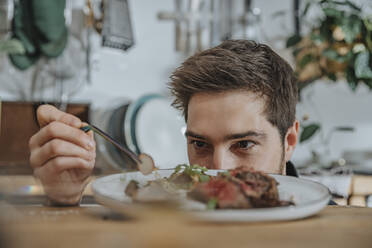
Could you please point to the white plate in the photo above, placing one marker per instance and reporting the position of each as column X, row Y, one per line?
column 158, row 127
column 309, row 198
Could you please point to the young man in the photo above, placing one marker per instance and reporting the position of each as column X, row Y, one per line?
column 239, row 102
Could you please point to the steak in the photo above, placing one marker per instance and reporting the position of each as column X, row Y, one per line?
column 227, row 193
column 240, row 188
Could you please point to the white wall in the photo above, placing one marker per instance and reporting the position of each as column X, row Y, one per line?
column 146, row 67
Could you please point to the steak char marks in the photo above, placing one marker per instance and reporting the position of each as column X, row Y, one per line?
column 240, row 188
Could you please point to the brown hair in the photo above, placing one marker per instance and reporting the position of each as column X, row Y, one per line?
column 240, row 65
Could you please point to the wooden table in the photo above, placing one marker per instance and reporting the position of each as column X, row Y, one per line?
column 96, row 226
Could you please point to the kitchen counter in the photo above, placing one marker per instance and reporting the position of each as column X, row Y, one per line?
column 97, row 226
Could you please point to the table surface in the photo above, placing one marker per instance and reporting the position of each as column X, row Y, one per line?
column 92, row 225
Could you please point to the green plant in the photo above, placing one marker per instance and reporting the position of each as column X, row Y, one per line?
column 338, row 46
column 321, row 151
column 308, row 131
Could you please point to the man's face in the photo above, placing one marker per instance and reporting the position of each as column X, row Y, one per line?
column 227, row 130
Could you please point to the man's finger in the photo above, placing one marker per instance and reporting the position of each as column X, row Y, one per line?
column 59, row 164
column 59, row 130
column 56, row 148
column 48, row 113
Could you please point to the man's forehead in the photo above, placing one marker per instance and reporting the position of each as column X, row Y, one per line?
column 226, row 103
column 232, row 96
column 228, row 113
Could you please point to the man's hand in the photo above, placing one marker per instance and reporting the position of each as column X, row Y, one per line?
column 62, row 155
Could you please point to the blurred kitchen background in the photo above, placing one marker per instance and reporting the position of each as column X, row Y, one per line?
column 109, row 62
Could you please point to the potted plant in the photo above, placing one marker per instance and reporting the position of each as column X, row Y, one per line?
column 338, row 46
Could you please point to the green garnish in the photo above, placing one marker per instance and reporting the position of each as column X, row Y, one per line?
column 179, row 167
column 212, row 204
column 225, row 174
column 204, row 178
column 192, row 171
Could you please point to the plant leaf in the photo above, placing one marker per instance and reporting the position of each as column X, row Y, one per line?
column 332, row 12
column 351, row 78
column 308, row 131
column 368, row 23
column 212, row 204
column 305, row 60
column 293, row 40
column 353, row 85
column 306, row 9
column 362, row 66
column 204, row 178
column 296, row 51
column 369, row 40
column 226, row 174
column 330, row 53
column 352, row 27
column 354, row 6
column 325, row 29
column 317, row 38
column 368, row 82
column 348, row 3
column 333, row 55
column 179, row 167
column 332, row 76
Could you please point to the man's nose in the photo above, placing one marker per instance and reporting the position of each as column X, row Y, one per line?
column 222, row 160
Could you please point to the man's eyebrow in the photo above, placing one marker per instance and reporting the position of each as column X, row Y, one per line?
column 245, row 135
column 257, row 134
column 189, row 133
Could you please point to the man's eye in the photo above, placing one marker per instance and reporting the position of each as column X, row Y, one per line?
column 198, row 144
column 245, row 144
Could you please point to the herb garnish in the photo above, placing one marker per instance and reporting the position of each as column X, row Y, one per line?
column 194, row 171
column 212, row 204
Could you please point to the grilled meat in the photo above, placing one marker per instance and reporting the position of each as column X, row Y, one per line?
column 240, row 188
column 227, row 193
